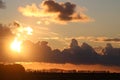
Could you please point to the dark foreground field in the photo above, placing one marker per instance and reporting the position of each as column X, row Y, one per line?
column 73, row 76
column 60, row 76
column 17, row 72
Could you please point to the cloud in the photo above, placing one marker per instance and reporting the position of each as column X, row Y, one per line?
column 5, row 31
column 56, row 12
column 105, row 39
column 95, row 39
column 113, row 39
column 6, row 37
column 2, row 4
column 75, row 54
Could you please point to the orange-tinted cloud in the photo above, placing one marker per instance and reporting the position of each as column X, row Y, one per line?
column 96, row 39
column 105, row 39
column 55, row 12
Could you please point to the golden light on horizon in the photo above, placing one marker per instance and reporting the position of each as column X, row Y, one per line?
column 16, row 45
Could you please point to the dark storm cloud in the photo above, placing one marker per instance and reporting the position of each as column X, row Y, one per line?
column 65, row 10
column 2, row 4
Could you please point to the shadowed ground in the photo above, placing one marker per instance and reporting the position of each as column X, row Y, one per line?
column 17, row 72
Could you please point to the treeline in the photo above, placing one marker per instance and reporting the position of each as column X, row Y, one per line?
column 17, row 72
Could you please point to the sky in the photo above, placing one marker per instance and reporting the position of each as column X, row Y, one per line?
column 93, row 21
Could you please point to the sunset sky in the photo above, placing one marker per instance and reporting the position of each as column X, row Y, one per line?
column 96, row 22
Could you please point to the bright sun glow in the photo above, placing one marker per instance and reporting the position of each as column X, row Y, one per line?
column 29, row 30
column 16, row 45
column 21, row 34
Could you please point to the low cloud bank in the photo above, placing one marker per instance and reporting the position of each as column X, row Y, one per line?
column 42, row 52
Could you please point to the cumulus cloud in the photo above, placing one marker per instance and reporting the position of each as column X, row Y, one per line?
column 55, row 12
column 2, row 4
column 84, row 54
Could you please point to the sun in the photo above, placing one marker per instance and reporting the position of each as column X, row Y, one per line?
column 29, row 30
column 21, row 33
column 16, row 45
